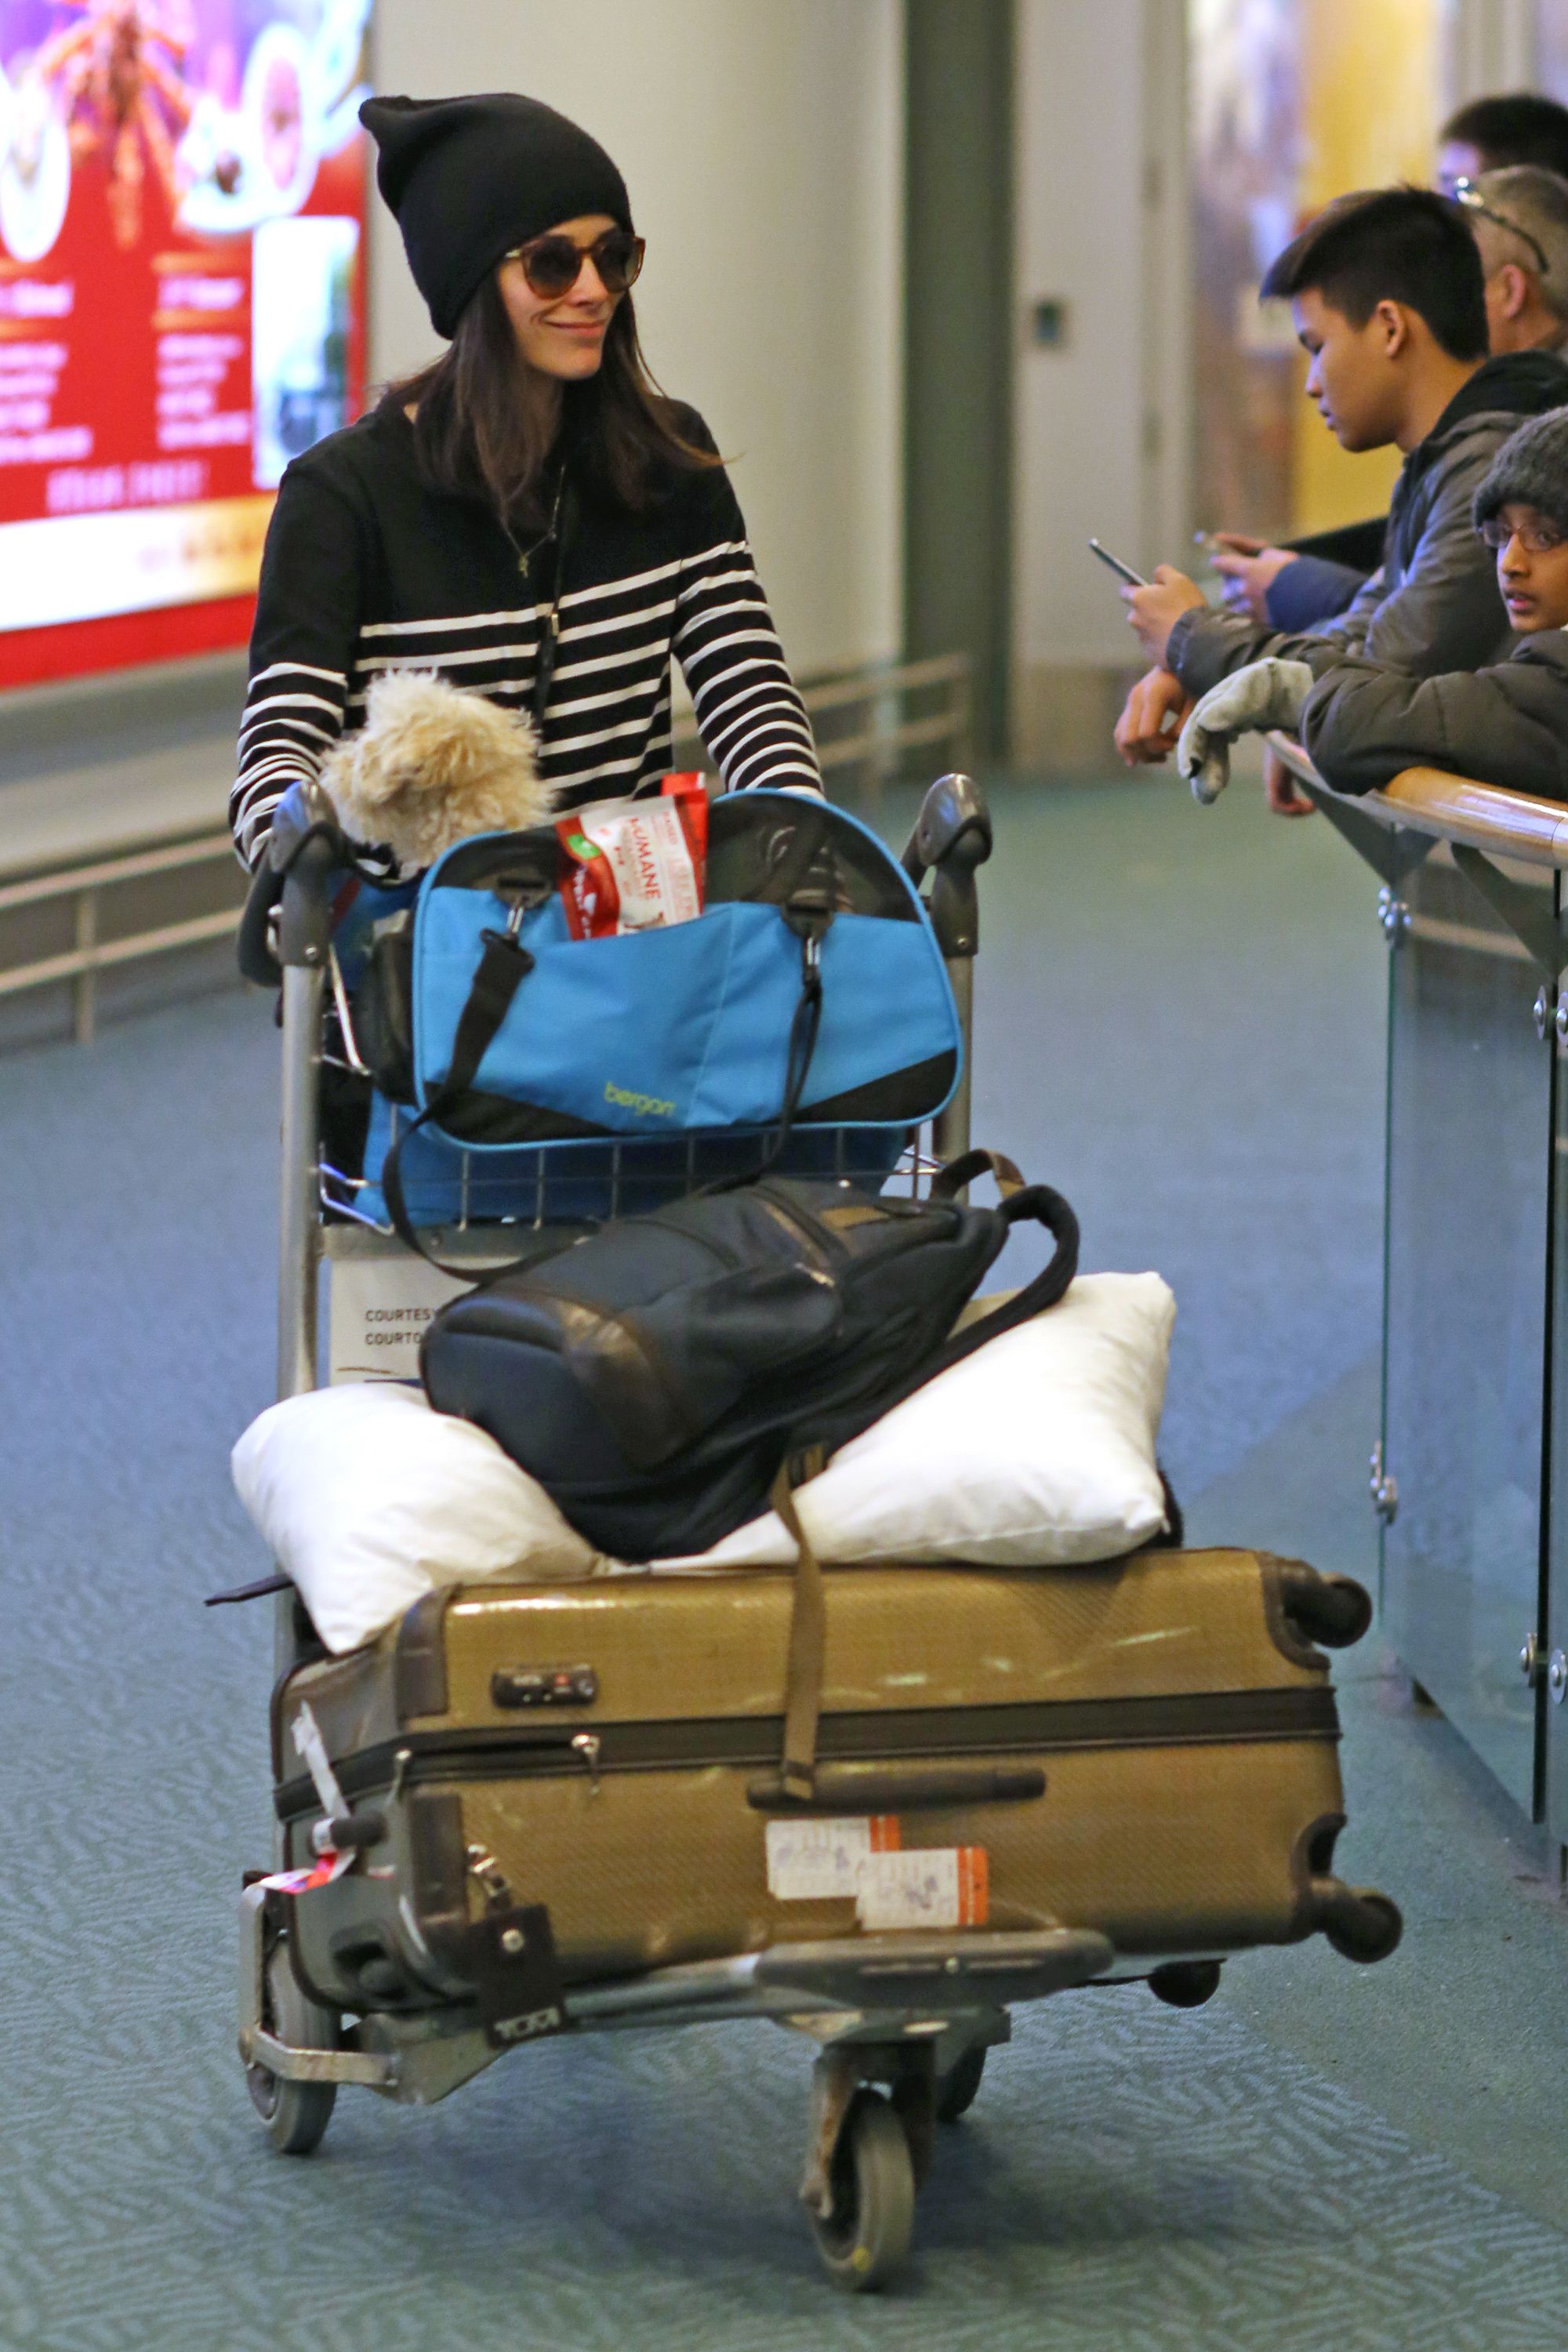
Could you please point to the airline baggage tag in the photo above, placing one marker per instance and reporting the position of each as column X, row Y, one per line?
column 509, row 1956
column 330, row 1864
column 813, row 1861
column 936, row 1886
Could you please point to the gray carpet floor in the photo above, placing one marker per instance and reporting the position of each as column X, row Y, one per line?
column 1181, row 1023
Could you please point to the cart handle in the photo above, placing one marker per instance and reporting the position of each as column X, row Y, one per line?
column 951, row 840
column 305, row 850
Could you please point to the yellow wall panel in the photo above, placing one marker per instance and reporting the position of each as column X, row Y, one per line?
column 1370, row 72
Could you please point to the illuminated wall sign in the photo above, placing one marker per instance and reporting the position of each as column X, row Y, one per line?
column 182, row 217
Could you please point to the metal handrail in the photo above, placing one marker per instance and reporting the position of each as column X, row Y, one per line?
column 1461, row 809
column 132, row 865
column 90, row 955
column 879, row 745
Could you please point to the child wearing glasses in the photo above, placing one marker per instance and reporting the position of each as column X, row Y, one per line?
column 528, row 516
column 1506, row 724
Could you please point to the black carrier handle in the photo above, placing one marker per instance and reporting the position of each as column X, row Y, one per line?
column 899, row 1789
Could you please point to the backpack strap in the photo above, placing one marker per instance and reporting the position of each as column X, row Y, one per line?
column 1036, row 1203
column 949, row 1181
column 808, row 1641
column 1021, row 1204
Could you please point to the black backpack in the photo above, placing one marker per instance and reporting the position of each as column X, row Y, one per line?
column 655, row 1375
column 661, row 1376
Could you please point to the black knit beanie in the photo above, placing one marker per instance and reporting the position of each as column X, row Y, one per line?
column 469, row 178
column 1531, row 469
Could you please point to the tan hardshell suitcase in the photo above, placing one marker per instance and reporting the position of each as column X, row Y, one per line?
column 1145, row 1749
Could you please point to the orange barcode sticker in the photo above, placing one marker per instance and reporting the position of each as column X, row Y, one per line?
column 933, row 1887
column 813, row 1861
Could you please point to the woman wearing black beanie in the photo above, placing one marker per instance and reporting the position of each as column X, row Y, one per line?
column 530, row 516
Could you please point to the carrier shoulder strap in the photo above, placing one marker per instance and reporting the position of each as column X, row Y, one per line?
column 502, row 968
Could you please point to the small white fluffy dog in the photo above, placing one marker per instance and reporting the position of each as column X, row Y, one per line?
column 433, row 763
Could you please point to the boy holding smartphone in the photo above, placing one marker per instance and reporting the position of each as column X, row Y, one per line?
column 1388, row 296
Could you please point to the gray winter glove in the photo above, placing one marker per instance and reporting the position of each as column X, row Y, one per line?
column 1264, row 694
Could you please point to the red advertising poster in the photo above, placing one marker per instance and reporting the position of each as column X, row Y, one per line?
column 181, row 272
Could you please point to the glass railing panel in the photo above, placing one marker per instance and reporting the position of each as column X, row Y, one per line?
column 1549, row 1665
column 1469, row 1110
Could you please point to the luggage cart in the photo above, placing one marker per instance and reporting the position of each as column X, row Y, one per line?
column 902, row 2022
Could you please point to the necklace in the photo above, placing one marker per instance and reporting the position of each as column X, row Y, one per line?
column 525, row 555
column 550, row 623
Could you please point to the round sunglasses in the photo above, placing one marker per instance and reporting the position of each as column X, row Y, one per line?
column 553, row 264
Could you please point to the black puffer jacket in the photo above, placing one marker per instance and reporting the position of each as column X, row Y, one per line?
column 1433, row 605
column 1506, row 725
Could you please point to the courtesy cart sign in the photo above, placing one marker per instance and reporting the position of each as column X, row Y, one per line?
column 181, row 219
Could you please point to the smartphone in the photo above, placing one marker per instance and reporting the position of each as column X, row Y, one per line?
column 1133, row 579
column 1212, row 544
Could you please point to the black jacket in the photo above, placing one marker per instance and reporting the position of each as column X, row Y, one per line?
column 1434, row 605
column 1506, row 725
column 369, row 569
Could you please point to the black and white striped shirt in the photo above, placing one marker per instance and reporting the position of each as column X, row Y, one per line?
column 368, row 569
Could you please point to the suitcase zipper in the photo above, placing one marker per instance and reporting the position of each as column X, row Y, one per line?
column 698, row 1743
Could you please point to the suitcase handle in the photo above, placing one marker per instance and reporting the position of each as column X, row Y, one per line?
column 897, row 1788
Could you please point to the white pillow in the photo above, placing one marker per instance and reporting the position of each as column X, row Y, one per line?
column 369, row 1500
column 1036, row 1451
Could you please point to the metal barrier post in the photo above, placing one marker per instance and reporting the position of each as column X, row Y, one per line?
column 84, row 988
column 299, row 1228
column 950, row 1129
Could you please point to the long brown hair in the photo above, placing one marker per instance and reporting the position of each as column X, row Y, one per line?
column 476, row 436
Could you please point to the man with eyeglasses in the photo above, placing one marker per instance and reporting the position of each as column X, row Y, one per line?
column 1520, row 216
column 1519, row 126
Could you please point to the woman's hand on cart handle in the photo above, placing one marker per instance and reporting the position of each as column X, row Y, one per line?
column 305, row 815
column 306, row 849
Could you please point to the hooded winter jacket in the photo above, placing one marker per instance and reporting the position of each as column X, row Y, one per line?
column 1434, row 605
column 1506, row 725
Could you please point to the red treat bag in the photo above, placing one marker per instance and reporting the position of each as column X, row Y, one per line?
column 630, row 867
column 690, row 794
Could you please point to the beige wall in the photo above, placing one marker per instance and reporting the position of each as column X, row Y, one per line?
column 761, row 144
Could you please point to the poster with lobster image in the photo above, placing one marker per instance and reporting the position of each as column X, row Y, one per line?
column 181, row 276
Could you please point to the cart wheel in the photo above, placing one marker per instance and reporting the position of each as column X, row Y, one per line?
column 1363, row 1925
column 955, row 2093
column 866, row 2235
column 294, row 2115
column 1184, row 1984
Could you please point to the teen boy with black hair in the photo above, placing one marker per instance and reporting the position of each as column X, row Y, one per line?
column 1386, row 293
column 1518, row 214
